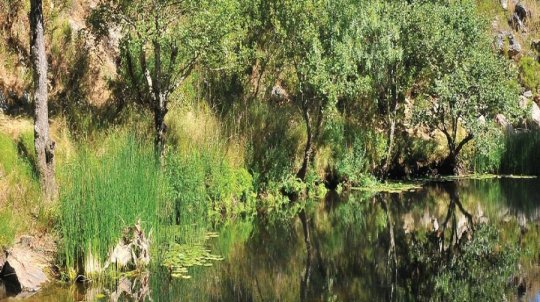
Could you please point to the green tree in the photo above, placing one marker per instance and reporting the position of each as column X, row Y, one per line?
column 163, row 41
column 467, row 83
column 320, row 55
column 388, row 64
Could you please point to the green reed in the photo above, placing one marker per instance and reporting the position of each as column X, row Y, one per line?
column 104, row 192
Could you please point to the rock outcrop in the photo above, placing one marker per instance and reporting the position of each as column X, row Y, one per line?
column 24, row 267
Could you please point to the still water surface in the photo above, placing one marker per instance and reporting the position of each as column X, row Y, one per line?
column 347, row 247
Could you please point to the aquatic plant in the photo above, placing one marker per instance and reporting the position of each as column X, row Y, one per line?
column 104, row 191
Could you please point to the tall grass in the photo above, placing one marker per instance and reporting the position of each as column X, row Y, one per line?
column 522, row 154
column 104, row 191
column 19, row 191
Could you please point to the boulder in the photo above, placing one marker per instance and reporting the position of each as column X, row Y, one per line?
column 499, row 43
column 535, row 114
column 528, row 94
column 521, row 12
column 3, row 102
column 520, row 16
column 24, row 266
column 28, row 267
column 504, row 4
column 279, row 94
column 515, row 47
column 501, row 120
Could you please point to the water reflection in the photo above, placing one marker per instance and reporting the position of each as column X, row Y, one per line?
column 359, row 247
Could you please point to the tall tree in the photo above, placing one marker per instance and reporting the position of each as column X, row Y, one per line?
column 467, row 83
column 43, row 143
column 163, row 41
column 320, row 53
column 388, row 65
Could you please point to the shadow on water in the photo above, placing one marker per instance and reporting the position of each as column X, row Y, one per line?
column 433, row 244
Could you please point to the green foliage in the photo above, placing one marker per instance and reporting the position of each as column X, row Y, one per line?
column 20, row 189
column 8, row 227
column 467, row 81
column 528, row 73
column 488, row 150
column 180, row 257
column 207, row 189
column 352, row 167
column 105, row 191
column 480, row 272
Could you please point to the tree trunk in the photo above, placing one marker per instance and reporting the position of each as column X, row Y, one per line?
column 161, row 127
column 449, row 165
column 43, row 143
column 391, row 136
column 309, row 147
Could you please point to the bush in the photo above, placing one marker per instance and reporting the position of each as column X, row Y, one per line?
column 528, row 72
column 207, row 188
column 488, row 150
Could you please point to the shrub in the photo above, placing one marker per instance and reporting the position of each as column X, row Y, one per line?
column 528, row 72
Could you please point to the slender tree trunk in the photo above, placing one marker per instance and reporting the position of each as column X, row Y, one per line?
column 309, row 147
column 160, row 97
column 161, row 127
column 390, row 148
column 43, row 143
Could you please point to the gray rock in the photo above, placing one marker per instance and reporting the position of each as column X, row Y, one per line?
column 499, row 42
column 528, row 94
column 28, row 268
column 515, row 47
column 501, row 120
column 3, row 102
column 535, row 114
column 521, row 12
column 517, row 23
column 504, row 4
column 519, row 17
column 523, row 102
column 279, row 94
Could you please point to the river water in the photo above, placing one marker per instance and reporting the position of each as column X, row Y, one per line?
column 357, row 246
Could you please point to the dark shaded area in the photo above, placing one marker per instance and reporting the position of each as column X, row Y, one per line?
column 9, row 280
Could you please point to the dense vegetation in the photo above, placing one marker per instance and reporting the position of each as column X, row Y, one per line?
column 186, row 115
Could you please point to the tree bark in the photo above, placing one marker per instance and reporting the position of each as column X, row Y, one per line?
column 449, row 165
column 389, row 151
column 44, row 145
column 309, row 146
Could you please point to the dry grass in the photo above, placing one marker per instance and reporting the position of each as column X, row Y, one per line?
column 197, row 128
